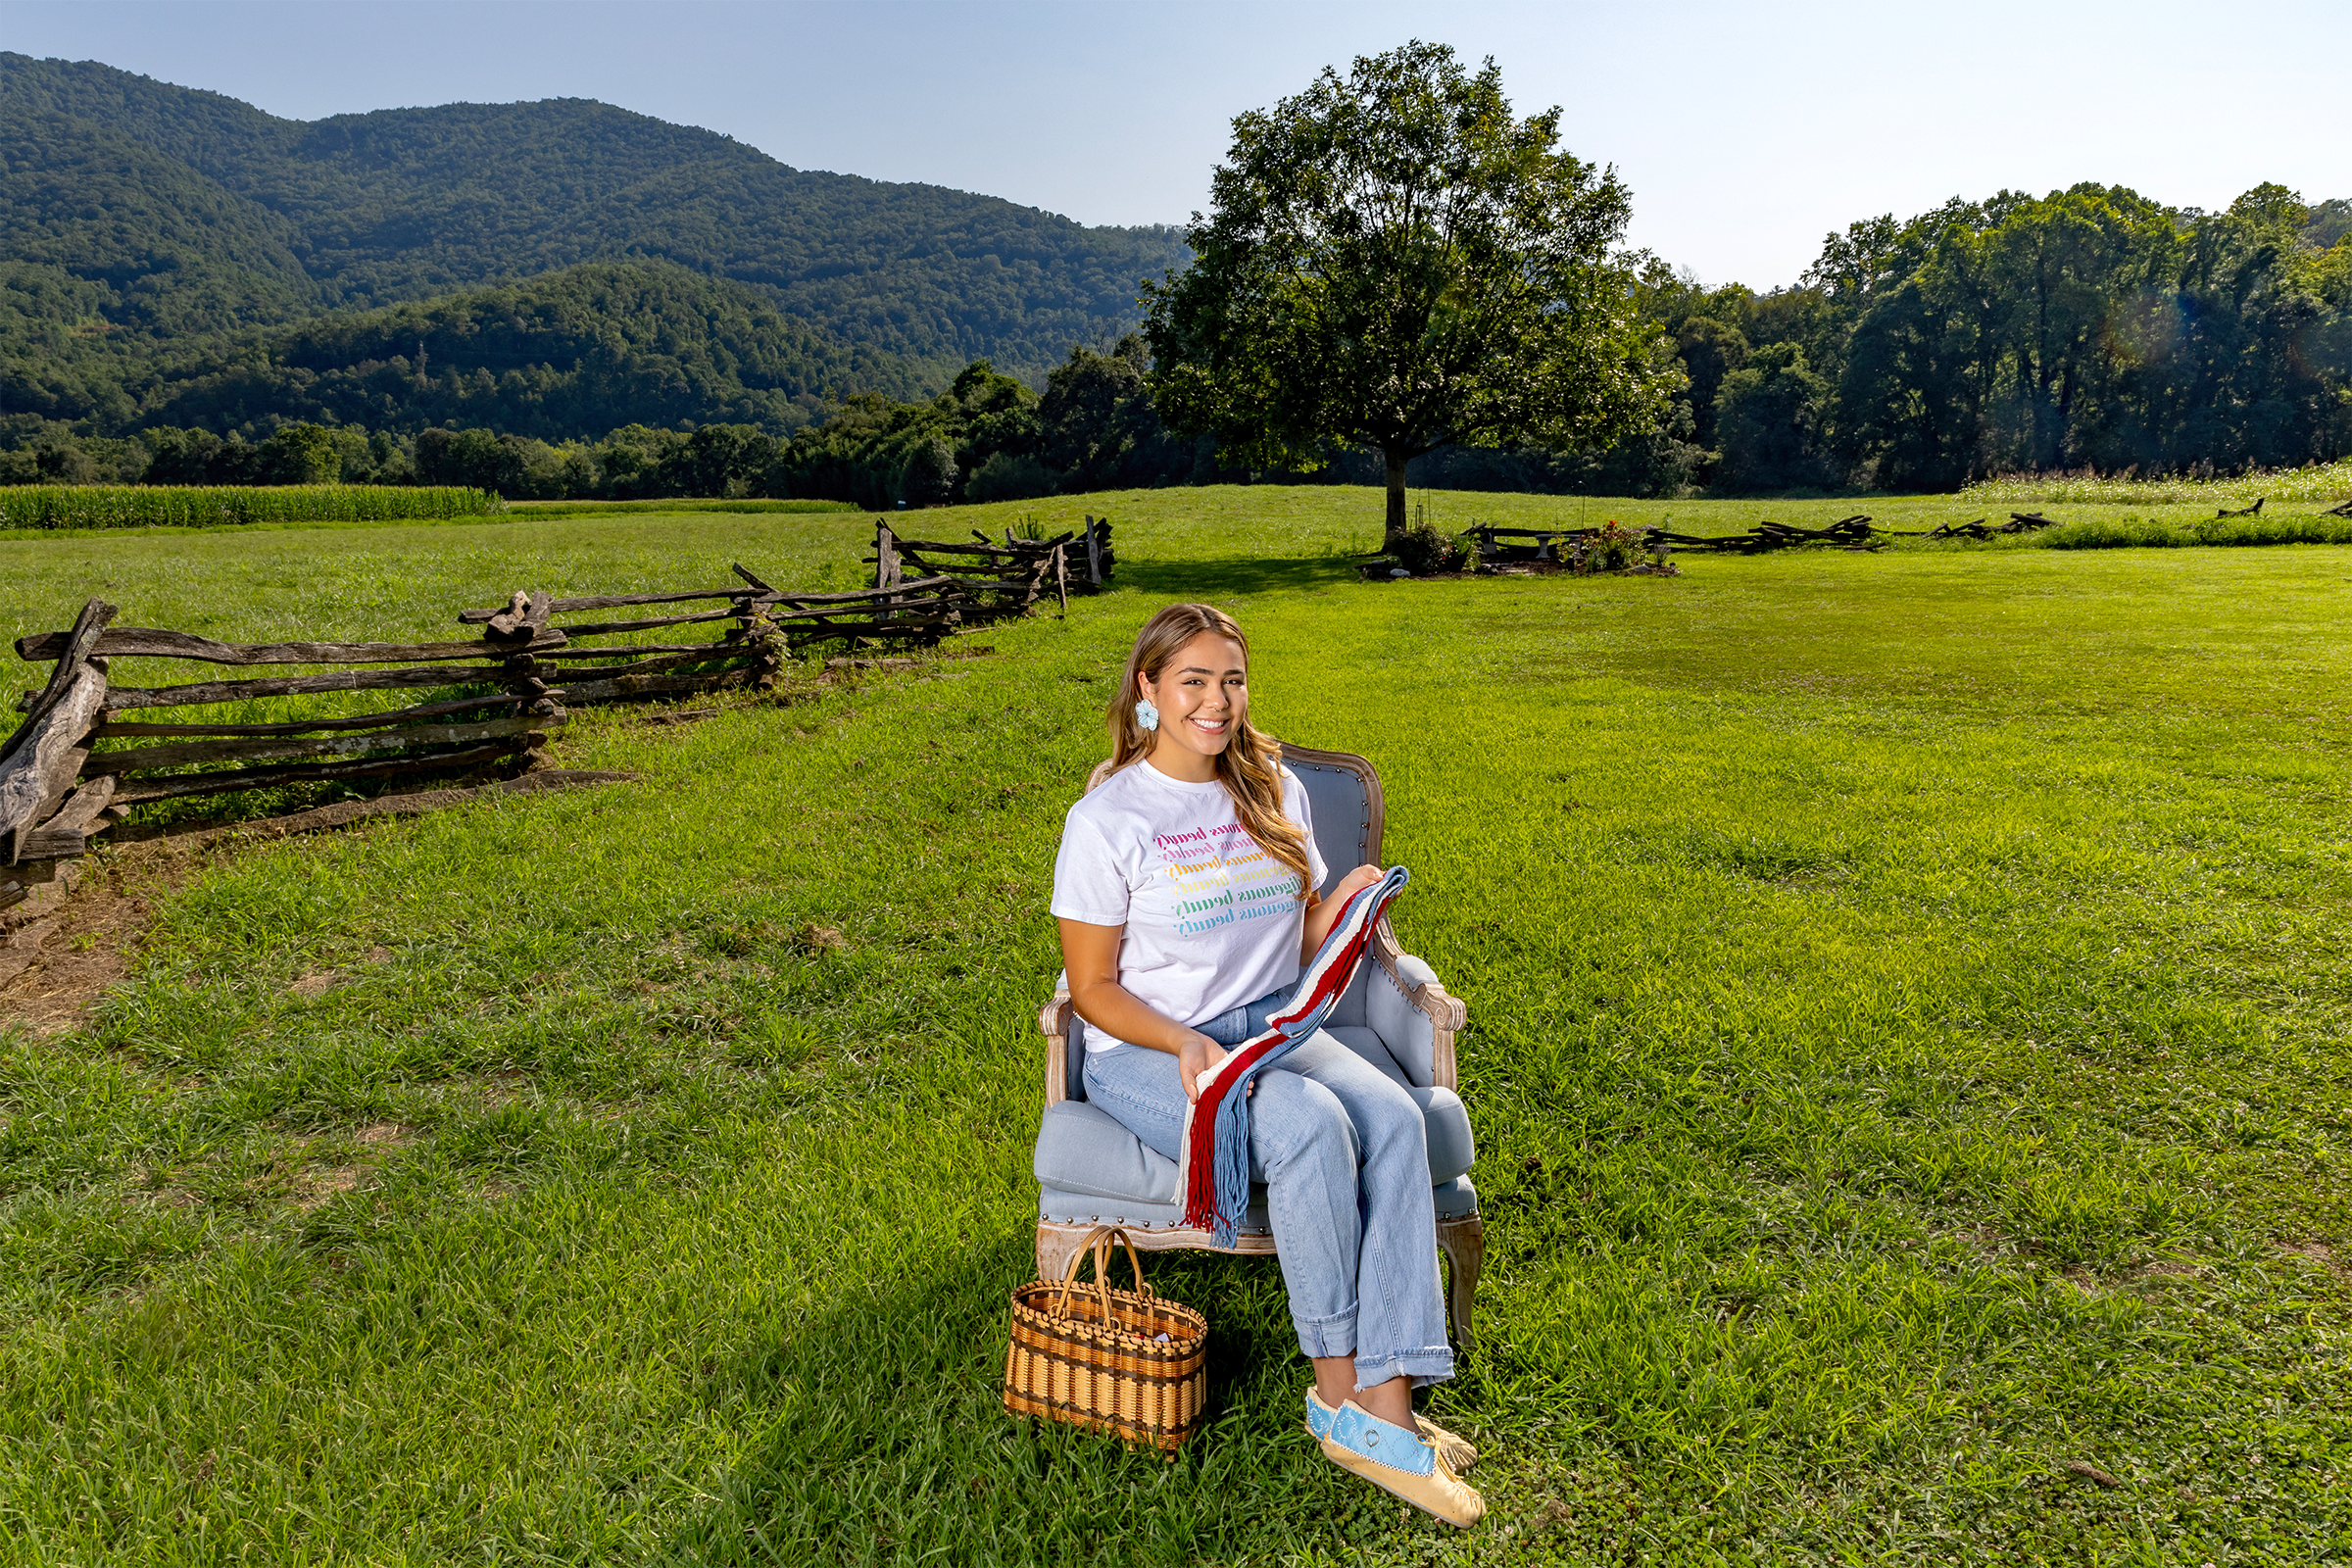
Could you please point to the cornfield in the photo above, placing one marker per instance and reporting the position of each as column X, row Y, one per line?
column 125, row 506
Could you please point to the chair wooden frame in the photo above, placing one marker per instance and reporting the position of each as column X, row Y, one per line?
column 1462, row 1240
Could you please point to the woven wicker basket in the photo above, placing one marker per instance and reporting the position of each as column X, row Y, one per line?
column 1099, row 1360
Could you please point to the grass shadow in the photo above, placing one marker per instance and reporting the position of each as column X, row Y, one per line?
column 886, row 1439
column 1233, row 574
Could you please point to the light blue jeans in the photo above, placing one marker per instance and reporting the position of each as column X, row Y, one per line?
column 1344, row 1157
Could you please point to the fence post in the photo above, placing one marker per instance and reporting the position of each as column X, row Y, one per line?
column 42, row 762
column 1093, row 552
column 524, row 618
column 886, row 566
column 763, row 634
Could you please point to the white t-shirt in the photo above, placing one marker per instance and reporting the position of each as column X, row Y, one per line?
column 1212, row 920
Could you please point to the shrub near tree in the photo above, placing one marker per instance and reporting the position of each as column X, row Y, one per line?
column 1395, row 261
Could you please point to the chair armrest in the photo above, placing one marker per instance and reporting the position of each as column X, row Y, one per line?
column 1429, row 1010
column 1054, row 1022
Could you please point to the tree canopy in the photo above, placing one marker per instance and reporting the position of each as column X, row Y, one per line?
column 1393, row 262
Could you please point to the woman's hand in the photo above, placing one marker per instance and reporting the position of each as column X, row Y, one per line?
column 1194, row 1055
column 1326, row 914
column 1092, row 953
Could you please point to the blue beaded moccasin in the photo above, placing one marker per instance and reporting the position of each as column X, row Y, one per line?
column 1401, row 1462
column 1457, row 1452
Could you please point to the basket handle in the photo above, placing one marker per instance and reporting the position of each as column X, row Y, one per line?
column 1098, row 1241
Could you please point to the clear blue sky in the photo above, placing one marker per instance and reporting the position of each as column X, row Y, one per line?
column 1746, row 131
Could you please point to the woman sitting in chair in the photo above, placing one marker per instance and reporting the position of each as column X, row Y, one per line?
column 1186, row 895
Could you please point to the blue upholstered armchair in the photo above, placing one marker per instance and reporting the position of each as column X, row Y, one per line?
column 1092, row 1171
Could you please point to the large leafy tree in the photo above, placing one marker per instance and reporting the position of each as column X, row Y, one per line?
column 1395, row 263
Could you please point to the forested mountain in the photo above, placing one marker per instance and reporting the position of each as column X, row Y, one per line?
column 172, row 251
column 136, row 214
column 567, row 354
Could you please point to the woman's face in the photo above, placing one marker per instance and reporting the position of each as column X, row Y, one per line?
column 1203, row 694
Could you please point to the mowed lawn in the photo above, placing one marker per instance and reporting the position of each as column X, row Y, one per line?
column 1910, row 1027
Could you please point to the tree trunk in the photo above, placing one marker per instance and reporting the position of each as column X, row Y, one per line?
column 1395, row 528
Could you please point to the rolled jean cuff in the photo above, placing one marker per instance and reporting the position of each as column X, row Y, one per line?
column 1326, row 1336
column 1433, row 1364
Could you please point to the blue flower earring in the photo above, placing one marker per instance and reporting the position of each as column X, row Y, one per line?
column 1147, row 714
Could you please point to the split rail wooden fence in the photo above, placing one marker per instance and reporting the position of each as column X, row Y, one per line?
column 1856, row 532
column 2019, row 522
column 61, row 780
column 488, row 702
column 1010, row 579
column 767, row 625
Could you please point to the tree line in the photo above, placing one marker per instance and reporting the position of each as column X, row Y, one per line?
column 988, row 437
column 2091, row 328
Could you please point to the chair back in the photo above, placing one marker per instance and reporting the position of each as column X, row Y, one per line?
column 1343, row 799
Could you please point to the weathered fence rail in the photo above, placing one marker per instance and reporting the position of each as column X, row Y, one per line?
column 1846, row 533
column 62, row 781
column 1008, row 579
column 1857, row 532
column 80, row 761
column 2019, row 522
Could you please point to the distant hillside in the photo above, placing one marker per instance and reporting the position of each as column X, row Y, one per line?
column 170, row 251
column 569, row 354
column 197, row 212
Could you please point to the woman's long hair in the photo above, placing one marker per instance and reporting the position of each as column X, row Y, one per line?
column 1250, row 765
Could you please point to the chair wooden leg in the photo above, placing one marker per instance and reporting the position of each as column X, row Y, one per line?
column 1057, row 1241
column 1464, row 1243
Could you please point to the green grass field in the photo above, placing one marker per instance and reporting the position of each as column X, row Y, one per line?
column 1909, row 1015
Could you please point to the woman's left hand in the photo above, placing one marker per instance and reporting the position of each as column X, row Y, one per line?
column 1326, row 911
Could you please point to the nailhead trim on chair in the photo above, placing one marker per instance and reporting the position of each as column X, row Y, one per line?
column 1151, row 1225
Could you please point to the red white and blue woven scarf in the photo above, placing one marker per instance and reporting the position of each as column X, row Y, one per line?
column 1216, row 1185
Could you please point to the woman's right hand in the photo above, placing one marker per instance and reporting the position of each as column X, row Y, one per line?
column 1195, row 1054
